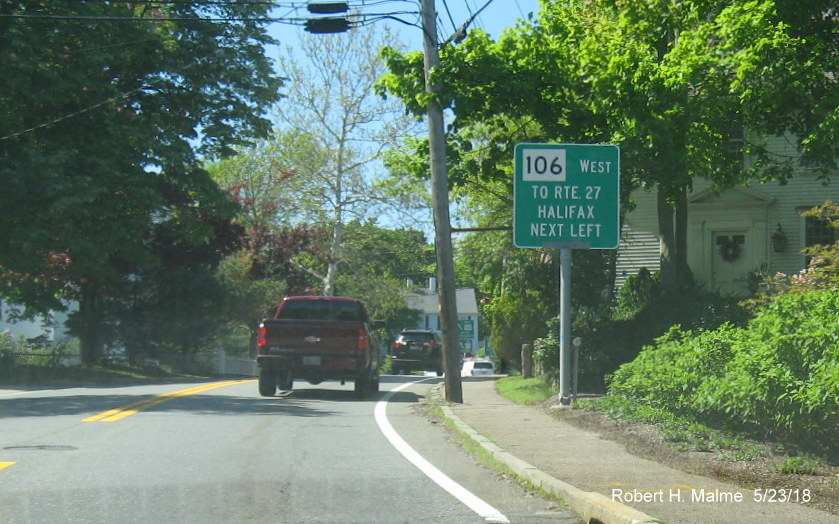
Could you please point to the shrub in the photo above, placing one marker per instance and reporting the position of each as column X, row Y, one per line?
column 779, row 375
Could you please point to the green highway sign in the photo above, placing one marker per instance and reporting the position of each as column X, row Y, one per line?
column 566, row 195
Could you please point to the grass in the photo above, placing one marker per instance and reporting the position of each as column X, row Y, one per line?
column 524, row 390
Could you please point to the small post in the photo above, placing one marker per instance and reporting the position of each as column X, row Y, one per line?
column 527, row 360
column 565, row 325
column 577, row 342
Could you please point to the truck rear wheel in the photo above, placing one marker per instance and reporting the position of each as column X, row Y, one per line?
column 267, row 382
column 362, row 386
column 286, row 380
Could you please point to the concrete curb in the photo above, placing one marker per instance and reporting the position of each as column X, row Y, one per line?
column 592, row 507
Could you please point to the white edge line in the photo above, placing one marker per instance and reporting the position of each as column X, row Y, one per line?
column 472, row 501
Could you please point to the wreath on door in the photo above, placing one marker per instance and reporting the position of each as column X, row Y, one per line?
column 731, row 247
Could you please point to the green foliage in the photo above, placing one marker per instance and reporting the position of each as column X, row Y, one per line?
column 18, row 353
column 246, row 301
column 376, row 265
column 546, row 352
column 10, row 347
column 804, row 465
column 778, row 376
column 524, row 390
column 387, row 365
column 514, row 322
column 637, row 292
column 641, row 315
column 519, row 288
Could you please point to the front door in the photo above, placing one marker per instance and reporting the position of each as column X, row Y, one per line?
column 730, row 263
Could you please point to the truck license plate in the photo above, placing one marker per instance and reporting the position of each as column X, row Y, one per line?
column 311, row 361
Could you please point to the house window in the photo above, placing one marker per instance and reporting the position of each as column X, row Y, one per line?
column 736, row 140
column 818, row 231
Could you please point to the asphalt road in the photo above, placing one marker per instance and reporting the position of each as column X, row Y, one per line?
column 218, row 452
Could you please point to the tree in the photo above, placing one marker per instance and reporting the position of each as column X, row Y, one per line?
column 108, row 108
column 340, row 130
column 778, row 59
column 379, row 266
column 518, row 288
column 269, row 193
column 671, row 83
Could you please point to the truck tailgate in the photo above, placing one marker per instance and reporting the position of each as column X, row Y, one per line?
column 313, row 337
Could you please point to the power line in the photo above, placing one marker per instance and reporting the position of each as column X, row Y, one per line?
column 156, row 19
column 460, row 32
column 99, row 104
column 519, row 8
column 451, row 19
column 43, row 16
column 479, row 11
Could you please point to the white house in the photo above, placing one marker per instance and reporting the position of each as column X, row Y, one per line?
column 730, row 234
column 427, row 301
column 50, row 327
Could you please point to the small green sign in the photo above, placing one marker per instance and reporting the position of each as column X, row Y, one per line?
column 566, row 194
column 466, row 334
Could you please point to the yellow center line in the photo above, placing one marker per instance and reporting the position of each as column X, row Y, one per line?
column 4, row 465
column 120, row 413
column 139, row 404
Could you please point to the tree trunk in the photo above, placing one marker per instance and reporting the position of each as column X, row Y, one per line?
column 89, row 316
column 667, row 244
column 684, row 275
column 672, row 226
column 334, row 256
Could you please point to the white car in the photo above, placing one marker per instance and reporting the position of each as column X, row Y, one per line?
column 476, row 368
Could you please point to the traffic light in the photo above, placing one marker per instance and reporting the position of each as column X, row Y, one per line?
column 329, row 24
column 325, row 8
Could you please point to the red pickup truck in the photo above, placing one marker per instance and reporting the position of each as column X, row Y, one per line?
column 315, row 339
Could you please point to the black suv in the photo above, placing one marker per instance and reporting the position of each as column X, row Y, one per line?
column 417, row 350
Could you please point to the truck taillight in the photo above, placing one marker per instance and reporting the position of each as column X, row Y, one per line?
column 261, row 338
column 362, row 339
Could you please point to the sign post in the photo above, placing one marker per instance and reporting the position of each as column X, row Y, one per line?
column 566, row 196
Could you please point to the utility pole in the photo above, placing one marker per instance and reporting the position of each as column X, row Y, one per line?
column 442, row 225
column 439, row 182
